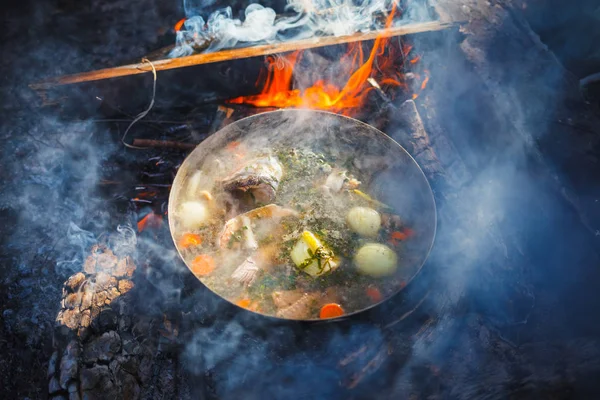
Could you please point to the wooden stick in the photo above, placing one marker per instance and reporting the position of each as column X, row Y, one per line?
column 234, row 54
column 163, row 144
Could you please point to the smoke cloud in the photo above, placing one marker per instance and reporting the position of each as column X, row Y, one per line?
column 261, row 25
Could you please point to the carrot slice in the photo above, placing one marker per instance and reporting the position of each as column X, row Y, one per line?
column 189, row 240
column 408, row 232
column 397, row 235
column 248, row 304
column 331, row 310
column 203, row 265
column 374, row 294
column 244, row 303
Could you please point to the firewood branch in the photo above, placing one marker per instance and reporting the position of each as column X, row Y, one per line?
column 234, row 54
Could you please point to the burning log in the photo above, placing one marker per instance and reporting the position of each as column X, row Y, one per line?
column 248, row 52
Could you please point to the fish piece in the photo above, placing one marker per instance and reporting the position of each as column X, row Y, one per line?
column 339, row 179
column 271, row 211
column 285, row 298
column 301, row 309
column 335, row 180
column 262, row 259
column 247, row 272
column 260, row 176
column 267, row 254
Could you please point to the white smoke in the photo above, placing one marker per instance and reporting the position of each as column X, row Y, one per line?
column 262, row 25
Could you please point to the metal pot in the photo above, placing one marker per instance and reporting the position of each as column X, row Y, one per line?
column 394, row 176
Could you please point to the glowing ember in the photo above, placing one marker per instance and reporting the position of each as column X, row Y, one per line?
column 277, row 90
column 424, row 83
column 151, row 220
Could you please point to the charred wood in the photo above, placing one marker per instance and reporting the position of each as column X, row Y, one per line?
column 163, row 144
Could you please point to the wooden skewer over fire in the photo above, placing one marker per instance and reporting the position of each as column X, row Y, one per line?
column 239, row 53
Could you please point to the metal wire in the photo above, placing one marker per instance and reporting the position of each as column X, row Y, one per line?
column 143, row 113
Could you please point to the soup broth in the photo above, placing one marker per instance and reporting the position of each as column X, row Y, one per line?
column 290, row 232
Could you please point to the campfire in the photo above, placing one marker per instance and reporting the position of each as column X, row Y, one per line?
column 348, row 75
column 113, row 300
column 353, row 69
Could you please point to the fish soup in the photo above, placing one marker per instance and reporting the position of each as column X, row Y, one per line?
column 291, row 232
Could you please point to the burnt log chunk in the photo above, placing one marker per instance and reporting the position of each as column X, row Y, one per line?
column 52, row 364
column 54, row 386
column 69, row 364
column 125, row 286
column 73, row 300
column 117, row 342
column 97, row 383
column 125, row 267
column 69, row 318
column 105, row 281
column 100, row 299
column 87, row 297
column 74, row 396
column 75, row 281
column 129, row 388
column 106, row 321
column 102, row 348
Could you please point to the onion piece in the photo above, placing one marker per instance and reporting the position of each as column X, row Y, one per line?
column 312, row 256
column 364, row 220
column 376, row 259
column 193, row 214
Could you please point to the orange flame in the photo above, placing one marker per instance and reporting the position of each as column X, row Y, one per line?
column 277, row 90
column 179, row 25
column 423, row 84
